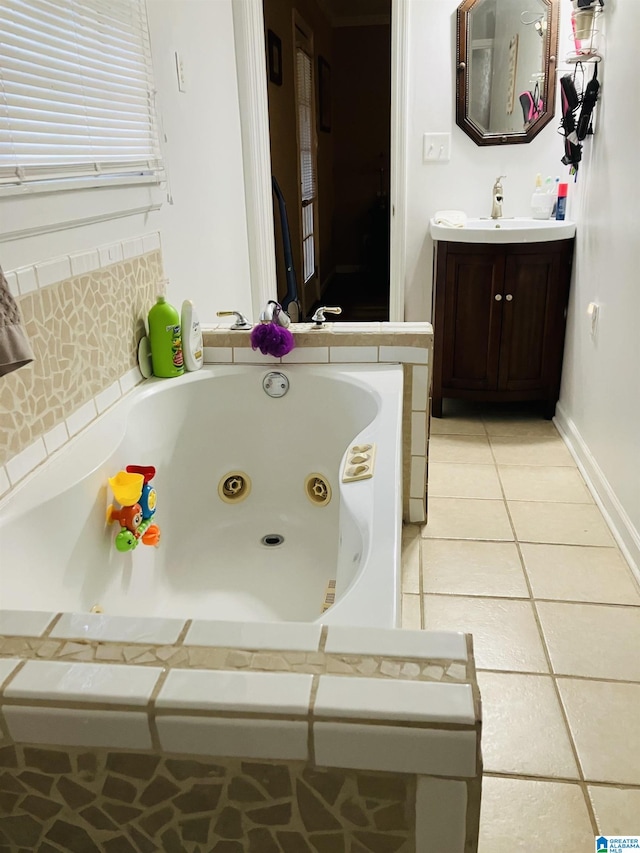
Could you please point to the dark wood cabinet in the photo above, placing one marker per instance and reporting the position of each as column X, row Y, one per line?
column 499, row 314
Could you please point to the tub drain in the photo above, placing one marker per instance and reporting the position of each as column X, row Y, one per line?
column 272, row 539
column 317, row 489
column 234, row 487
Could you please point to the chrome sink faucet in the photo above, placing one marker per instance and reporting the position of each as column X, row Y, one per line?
column 498, row 198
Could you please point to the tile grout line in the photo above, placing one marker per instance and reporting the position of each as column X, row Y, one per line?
column 495, row 597
column 152, row 709
column 311, row 746
column 547, row 654
column 523, row 541
column 516, row 541
column 183, row 633
column 561, row 780
column 52, row 624
column 4, row 725
column 421, row 593
column 557, row 678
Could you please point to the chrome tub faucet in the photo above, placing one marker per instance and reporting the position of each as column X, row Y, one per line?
column 319, row 317
column 241, row 321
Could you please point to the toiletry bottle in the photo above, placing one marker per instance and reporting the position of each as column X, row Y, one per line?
column 192, row 337
column 539, row 201
column 166, row 339
column 555, row 198
column 561, row 204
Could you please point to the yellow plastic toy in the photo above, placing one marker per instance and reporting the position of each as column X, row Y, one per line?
column 127, row 487
column 133, row 490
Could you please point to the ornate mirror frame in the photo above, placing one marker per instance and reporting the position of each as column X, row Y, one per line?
column 547, row 92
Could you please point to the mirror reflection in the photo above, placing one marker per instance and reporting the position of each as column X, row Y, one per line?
column 504, row 52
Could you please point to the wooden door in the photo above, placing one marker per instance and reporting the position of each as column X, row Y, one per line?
column 534, row 303
column 471, row 316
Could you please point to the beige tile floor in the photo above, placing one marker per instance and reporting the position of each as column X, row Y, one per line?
column 517, row 553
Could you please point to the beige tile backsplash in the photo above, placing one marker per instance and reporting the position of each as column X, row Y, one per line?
column 84, row 331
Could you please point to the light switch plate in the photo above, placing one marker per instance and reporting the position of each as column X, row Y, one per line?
column 436, row 148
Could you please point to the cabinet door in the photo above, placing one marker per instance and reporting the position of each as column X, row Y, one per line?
column 535, row 298
column 471, row 316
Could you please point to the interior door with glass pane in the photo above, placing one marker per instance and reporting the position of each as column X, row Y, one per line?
column 307, row 143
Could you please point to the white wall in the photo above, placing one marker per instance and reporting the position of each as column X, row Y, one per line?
column 465, row 182
column 599, row 407
column 600, row 397
column 203, row 232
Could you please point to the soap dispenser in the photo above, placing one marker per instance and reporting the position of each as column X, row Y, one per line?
column 541, row 202
column 498, row 198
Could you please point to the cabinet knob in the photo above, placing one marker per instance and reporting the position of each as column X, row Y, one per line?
column 509, row 297
column 498, row 297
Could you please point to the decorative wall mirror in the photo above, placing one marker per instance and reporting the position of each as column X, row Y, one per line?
column 506, row 68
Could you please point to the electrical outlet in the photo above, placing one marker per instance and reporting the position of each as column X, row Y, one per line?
column 182, row 87
column 436, row 148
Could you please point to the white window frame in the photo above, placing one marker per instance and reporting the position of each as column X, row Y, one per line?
column 40, row 206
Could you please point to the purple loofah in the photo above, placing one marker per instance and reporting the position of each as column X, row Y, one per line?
column 272, row 339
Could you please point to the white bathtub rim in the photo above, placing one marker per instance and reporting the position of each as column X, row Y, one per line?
column 104, row 435
column 108, row 429
column 148, row 630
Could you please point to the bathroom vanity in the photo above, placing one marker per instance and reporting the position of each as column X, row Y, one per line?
column 499, row 314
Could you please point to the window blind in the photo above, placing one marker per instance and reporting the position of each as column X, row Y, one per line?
column 76, row 90
column 305, row 124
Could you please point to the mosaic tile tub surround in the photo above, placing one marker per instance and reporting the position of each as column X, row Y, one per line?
column 410, row 344
column 152, row 715
column 83, row 315
column 118, row 802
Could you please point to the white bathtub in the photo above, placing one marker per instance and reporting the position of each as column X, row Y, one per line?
column 58, row 552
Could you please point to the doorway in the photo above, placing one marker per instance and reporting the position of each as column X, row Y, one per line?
column 329, row 101
column 251, row 61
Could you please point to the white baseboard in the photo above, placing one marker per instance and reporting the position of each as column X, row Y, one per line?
column 624, row 532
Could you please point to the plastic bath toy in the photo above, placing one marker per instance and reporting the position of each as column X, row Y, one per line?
column 126, row 487
column 128, row 516
column 133, row 490
column 148, row 496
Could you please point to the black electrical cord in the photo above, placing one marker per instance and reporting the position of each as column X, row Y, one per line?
column 589, row 100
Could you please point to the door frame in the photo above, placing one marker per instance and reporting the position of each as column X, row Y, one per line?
column 248, row 28
column 303, row 38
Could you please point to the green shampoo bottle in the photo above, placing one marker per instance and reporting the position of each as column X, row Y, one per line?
column 165, row 338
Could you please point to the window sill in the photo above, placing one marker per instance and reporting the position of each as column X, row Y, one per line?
column 30, row 210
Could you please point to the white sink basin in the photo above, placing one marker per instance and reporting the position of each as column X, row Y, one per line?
column 517, row 230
